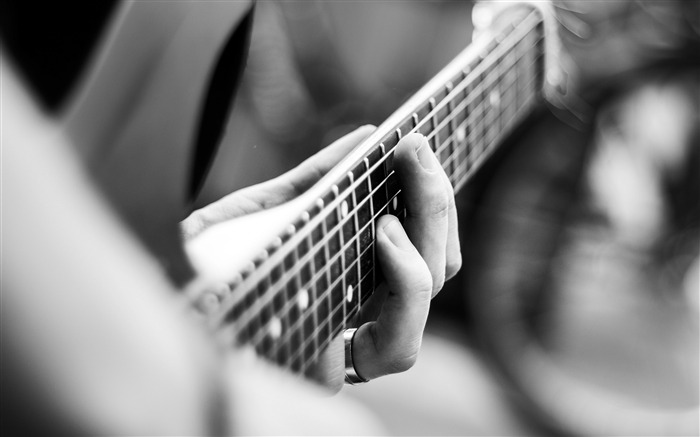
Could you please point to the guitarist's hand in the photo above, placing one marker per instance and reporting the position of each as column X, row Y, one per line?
column 416, row 258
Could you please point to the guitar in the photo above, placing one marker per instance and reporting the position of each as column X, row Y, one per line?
column 305, row 284
column 310, row 274
column 308, row 277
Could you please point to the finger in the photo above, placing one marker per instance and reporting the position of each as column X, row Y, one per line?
column 391, row 344
column 329, row 370
column 275, row 191
column 427, row 205
column 296, row 181
column 453, row 255
column 308, row 172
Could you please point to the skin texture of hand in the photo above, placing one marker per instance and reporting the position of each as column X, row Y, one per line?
column 416, row 258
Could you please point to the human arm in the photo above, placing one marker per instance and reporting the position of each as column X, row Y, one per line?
column 431, row 224
column 96, row 339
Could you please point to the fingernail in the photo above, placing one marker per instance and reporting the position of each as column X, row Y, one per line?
column 425, row 156
column 396, row 234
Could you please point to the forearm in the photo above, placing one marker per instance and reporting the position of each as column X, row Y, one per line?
column 92, row 320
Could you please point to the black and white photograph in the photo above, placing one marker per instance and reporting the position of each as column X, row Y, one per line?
column 350, row 217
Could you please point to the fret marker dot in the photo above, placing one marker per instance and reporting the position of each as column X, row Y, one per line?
column 495, row 98
column 461, row 133
column 344, row 209
column 303, row 299
column 349, row 293
column 395, row 203
column 274, row 328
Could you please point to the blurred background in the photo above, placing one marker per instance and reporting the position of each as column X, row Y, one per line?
column 577, row 309
column 317, row 70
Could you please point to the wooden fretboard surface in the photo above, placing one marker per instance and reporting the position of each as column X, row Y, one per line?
column 310, row 283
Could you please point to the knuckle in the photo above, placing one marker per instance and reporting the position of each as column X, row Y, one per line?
column 454, row 264
column 438, row 283
column 402, row 363
column 449, row 189
column 439, row 206
column 424, row 287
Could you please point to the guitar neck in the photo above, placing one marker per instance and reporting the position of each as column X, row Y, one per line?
column 310, row 282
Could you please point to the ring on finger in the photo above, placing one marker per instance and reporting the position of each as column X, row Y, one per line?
column 351, row 375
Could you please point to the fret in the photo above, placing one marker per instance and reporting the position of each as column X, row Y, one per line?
column 364, row 206
column 352, row 249
column 443, row 135
column 248, row 331
column 322, row 281
column 322, row 304
column 491, row 102
column 523, row 72
column 269, row 324
column 337, row 267
column 448, row 163
column 433, row 125
column 365, row 224
column 337, row 313
column 278, row 303
column 377, row 176
column 367, row 271
column 307, row 295
column 289, row 308
column 424, row 124
column 352, row 293
column 461, row 132
column 478, row 119
column 232, row 317
column 471, row 123
column 396, row 204
column 509, row 99
column 341, row 263
column 312, row 280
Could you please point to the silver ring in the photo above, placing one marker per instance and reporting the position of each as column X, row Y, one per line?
column 351, row 375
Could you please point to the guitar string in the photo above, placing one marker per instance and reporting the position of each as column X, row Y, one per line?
column 487, row 61
column 328, row 327
column 443, row 144
column 528, row 100
column 285, row 311
column 329, row 318
column 328, row 321
column 334, row 330
column 366, row 176
column 279, row 342
column 316, row 249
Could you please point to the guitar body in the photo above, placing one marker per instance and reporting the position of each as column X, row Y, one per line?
column 149, row 92
column 138, row 120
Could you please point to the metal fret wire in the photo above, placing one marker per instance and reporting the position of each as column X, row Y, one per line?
column 433, row 113
column 323, row 243
column 290, row 330
column 340, row 198
column 528, row 100
column 328, row 320
column 260, row 303
column 452, row 158
column 299, row 322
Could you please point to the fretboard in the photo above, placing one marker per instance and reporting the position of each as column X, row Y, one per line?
column 311, row 282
